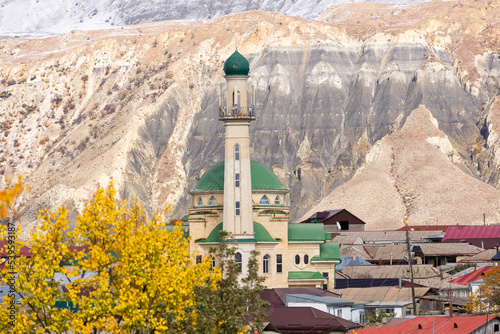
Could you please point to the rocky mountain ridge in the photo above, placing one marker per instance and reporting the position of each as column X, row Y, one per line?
column 138, row 104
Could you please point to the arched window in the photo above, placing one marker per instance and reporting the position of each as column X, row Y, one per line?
column 238, row 260
column 277, row 201
column 297, row 259
column 236, row 152
column 200, row 202
column 212, row 201
column 266, row 263
column 264, row 200
column 306, row 259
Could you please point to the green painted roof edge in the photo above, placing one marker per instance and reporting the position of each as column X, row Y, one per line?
column 305, row 275
column 306, row 232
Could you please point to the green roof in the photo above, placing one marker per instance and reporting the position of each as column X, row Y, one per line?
column 262, row 178
column 170, row 228
column 261, row 234
column 236, row 64
column 306, row 232
column 304, row 275
column 329, row 251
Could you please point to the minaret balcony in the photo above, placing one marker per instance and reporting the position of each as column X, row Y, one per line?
column 236, row 112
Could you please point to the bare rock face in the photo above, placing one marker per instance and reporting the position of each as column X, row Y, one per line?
column 138, row 105
column 403, row 177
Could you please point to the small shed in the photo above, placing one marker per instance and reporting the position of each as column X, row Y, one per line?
column 337, row 220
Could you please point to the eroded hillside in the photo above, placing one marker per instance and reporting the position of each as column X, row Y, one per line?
column 138, row 104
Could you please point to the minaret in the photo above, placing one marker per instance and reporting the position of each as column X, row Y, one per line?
column 237, row 111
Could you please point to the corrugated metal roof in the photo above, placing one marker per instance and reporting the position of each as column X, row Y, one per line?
column 389, row 236
column 303, row 298
column 395, row 271
column 306, row 232
column 305, row 275
column 439, row 249
column 471, row 277
column 424, row 325
column 464, row 232
column 484, row 256
column 386, row 294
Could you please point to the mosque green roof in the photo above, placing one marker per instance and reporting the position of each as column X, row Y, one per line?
column 306, row 232
column 305, row 275
column 262, row 178
column 236, row 64
column 329, row 251
column 261, row 234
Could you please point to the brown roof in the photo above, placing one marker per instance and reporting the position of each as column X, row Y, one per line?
column 395, row 271
column 291, row 320
column 484, row 256
column 345, row 239
column 355, row 250
column 390, row 236
column 382, row 294
column 386, row 253
column 441, row 249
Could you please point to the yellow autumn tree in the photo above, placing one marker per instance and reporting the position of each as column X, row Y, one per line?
column 487, row 297
column 129, row 275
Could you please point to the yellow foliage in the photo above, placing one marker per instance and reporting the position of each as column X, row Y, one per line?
column 487, row 297
column 132, row 274
column 8, row 195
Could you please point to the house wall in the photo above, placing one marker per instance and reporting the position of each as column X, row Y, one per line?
column 488, row 328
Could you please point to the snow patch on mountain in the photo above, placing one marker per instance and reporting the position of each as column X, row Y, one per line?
column 39, row 18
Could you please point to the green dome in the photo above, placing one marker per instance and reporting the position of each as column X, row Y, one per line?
column 262, row 178
column 236, row 64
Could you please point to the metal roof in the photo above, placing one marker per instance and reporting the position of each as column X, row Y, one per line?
column 437, row 324
column 306, row 232
column 304, row 298
column 305, row 275
column 464, row 232
column 382, row 294
column 262, row 178
column 440, row 249
column 471, row 277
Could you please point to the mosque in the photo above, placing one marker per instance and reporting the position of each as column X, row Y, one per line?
column 246, row 199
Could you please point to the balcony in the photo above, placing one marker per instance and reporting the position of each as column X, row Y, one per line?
column 237, row 112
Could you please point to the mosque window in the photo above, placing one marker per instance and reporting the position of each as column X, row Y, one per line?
column 236, row 152
column 279, row 263
column 212, row 262
column 297, row 259
column 306, row 259
column 199, row 259
column 238, row 260
column 237, row 180
column 266, row 264
column 237, row 208
column 264, row 200
column 212, row 201
column 277, row 201
column 200, row 201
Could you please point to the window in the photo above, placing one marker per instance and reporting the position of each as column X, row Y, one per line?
column 237, row 208
column 237, row 180
column 236, row 152
column 199, row 258
column 266, row 264
column 339, row 312
column 237, row 260
column 264, row 200
column 279, row 263
column 496, row 327
column 212, row 201
column 344, row 225
column 297, row 259
column 212, row 262
column 200, row 202
column 306, row 259
column 277, row 201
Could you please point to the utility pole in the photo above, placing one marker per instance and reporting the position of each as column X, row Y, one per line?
column 411, row 268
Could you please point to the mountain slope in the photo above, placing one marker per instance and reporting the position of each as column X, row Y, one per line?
column 139, row 103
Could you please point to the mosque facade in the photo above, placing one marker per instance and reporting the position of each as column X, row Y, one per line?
column 246, row 199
